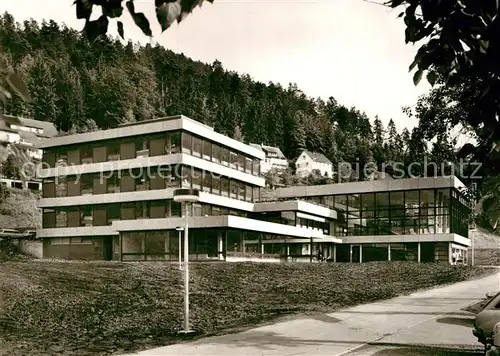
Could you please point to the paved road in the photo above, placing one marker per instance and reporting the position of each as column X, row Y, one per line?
column 409, row 325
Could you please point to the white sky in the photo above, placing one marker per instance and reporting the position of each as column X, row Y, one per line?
column 349, row 49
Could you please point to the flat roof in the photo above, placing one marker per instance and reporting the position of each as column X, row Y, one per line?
column 171, row 123
column 369, row 187
column 295, row 205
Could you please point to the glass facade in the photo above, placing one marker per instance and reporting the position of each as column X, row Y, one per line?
column 430, row 211
column 151, row 145
column 215, row 244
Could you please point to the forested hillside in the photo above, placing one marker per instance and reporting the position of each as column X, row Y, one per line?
column 83, row 86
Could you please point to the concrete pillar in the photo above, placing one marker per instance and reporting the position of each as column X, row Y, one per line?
column 335, row 253
column 450, row 251
column 262, row 248
column 388, row 252
column 472, row 233
column 419, row 252
column 220, row 247
column 350, row 253
column 360, row 253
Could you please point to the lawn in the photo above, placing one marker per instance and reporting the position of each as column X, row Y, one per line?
column 97, row 308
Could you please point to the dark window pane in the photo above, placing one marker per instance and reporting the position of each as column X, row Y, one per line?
column 368, row 201
column 187, row 143
column 382, row 200
column 224, row 156
column 100, row 154
column 99, row 215
column 248, row 193
column 207, row 150
column 241, row 191
column 207, row 182
column 341, row 202
column 224, row 186
column 127, row 150
column 113, row 212
column 216, row 185
column 48, row 159
column 207, row 210
column 234, row 189
column 397, row 200
column 114, row 151
column 216, row 153
column 87, row 154
column 73, row 157
column 241, row 162
column 248, row 165
column 256, row 167
column 197, row 146
column 157, row 146
column 49, row 188
column 197, row 178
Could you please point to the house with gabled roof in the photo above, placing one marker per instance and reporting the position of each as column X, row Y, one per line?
column 313, row 162
column 274, row 158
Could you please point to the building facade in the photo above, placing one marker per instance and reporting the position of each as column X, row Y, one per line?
column 274, row 158
column 422, row 219
column 109, row 195
column 313, row 163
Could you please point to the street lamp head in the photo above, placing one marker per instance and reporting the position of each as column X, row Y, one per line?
column 179, row 228
column 186, row 195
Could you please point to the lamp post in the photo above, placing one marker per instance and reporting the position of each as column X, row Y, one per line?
column 180, row 228
column 186, row 196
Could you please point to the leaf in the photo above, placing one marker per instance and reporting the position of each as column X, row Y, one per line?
column 18, row 86
column 466, row 150
column 94, row 29
column 113, row 9
column 140, row 19
column 418, row 76
column 432, row 77
column 483, row 46
column 120, row 29
column 413, row 64
column 83, row 9
column 167, row 13
column 394, row 3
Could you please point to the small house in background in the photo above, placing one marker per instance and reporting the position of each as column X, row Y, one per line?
column 309, row 162
column 26, row 133
column 274, row 158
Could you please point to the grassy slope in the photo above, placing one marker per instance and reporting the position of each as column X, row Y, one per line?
column 19, row 210
column 78, row 308
column 486, row 239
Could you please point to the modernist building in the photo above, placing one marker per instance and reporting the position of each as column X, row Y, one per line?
column 109, row 195
column 422, row 219
column 274, row 158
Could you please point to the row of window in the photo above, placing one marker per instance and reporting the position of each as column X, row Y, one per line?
column 411, row 199
column 153, row 178
column 151, row 145
column 105, row 214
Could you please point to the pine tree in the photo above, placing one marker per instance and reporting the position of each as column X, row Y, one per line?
column 392, row 134
column 297, row 135
column 378, row 131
